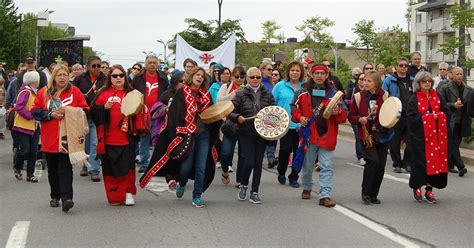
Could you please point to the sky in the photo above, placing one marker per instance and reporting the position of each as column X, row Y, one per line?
column 121, row 30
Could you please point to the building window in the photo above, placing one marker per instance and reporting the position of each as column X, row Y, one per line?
column 418, row 46
column 430, row 44
column 441, row 12
column 418, row 18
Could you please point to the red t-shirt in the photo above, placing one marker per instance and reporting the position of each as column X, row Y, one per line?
column 151, row 96
column 113, row 134
column 93, row 80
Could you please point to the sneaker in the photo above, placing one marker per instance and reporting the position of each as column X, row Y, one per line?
column 172, row 184
column 397, row 169
column 180, row 191
column 361, row 162
column 84, row 172
column 142, row 169
column 407, row 168
column 242, row 193
column 462, row 172
column 254, row 198
column 197, row 202
column 429, row 197
column 129, row 201
column 230, row 169
column 54, row 203
column 294, row 183
column 67, row 204
column 282, row 179
column 366, row 199
column 218, row 165
column 417, row 195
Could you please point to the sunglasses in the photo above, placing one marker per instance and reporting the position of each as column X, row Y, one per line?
column 96, row 66
column 105, row 67
column 403, row 65
column 255, row 77
column 328, row 65
column 121, row 75
column 269, row 69
column 276, row 75
column 443, row 69
column 368, row 68
column 426, row 81
column 240, row 77
column 136, row 68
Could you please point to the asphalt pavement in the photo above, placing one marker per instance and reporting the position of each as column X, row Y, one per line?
column 159, row 219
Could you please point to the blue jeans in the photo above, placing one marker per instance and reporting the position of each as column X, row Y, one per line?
column 358, row 142
column 144, row 150
column 197, row 157
column 270, row 150
column 227, row 152
column 325, row 175
column 91, row 149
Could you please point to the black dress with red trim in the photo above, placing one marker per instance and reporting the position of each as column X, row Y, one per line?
column 428, row 140
column 180, row 122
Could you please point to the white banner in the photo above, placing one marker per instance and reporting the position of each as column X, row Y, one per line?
column 224, row 54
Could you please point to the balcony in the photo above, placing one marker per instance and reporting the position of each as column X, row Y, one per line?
column 438, row 25
column 433, row 56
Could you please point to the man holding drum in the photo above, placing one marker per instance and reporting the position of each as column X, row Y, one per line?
column 399, row 85
column 316, row 94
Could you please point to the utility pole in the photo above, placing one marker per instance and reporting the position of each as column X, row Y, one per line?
column 462, row 48
column 220, row 7
column 165, row 45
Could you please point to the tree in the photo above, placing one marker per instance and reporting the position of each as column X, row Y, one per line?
column 87, row 52
column 366, row 38
column 269, row 30
column 208, row 35
column 316, row 36
column 9, row 20
column 390, row 44
column 462, row 18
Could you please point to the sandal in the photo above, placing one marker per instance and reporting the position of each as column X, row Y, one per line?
column 18, row 175
column 225, row 178
column 32, row 179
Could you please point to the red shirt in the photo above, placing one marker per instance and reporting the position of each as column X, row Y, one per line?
column 50, row 129
column 113, row 134
column 151, row 96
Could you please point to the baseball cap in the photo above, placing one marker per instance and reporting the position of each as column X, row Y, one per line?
column 30, row 57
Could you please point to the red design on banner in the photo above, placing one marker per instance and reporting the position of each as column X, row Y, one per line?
column 206, row 58
column 436, row 133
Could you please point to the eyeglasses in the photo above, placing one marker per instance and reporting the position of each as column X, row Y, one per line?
column 368, row 68
column 239, row 77
column 96, row 66
column 255, row 77
column 443, row 69
column 403, row 65
column 269, row 69
column 121, row 75
column 426, row 81
column 275, row 74
column 138, row 69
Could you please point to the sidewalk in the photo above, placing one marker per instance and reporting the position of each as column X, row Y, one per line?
column 466, row 154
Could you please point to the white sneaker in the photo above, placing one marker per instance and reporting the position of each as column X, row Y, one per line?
column 129, row 201
column 218, row 165
column 230, row 169
column 361, row 162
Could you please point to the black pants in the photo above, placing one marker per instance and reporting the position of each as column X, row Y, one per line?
column 27, row 150
column 454, row 153
column 288, row 144
column 253, row 147
column 59, row 175
column 401, row 132
column 375, row 159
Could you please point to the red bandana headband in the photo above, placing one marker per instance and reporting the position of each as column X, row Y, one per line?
column 319, row 68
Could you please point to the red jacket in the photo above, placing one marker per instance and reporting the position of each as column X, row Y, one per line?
column 328, row 140
column 71, row 96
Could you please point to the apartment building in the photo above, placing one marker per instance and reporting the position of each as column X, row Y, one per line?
column 431, row 27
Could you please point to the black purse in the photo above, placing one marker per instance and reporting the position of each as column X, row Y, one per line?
column 10, row 118
column 229, row 128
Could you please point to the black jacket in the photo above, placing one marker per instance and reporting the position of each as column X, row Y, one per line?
column 450, row 94
column 139, row 83
column 244, row 105
column 84, row 83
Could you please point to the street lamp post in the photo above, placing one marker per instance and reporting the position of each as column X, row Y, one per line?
column 165, row 45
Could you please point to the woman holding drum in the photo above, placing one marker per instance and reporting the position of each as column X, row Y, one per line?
column 227, row 93
column 247, row 103
column 284, row 92
column 428, row 134
column 317, row 94
column 116, row 145
column 365, row 112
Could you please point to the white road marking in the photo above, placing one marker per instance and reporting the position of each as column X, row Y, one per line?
column 388, row 176
column 376, row 227
column 18, row 235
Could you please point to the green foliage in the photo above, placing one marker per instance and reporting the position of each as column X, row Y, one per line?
column 461, row 16
column 343, row 70
column 269, row 30
column 248, row 54
column 87, row 53
column 8, row 34
column 208, row 35
column 366, row 38
column 316, row 36
column 391, row 44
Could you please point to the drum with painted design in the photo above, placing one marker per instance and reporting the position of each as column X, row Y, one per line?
column 272, row 122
